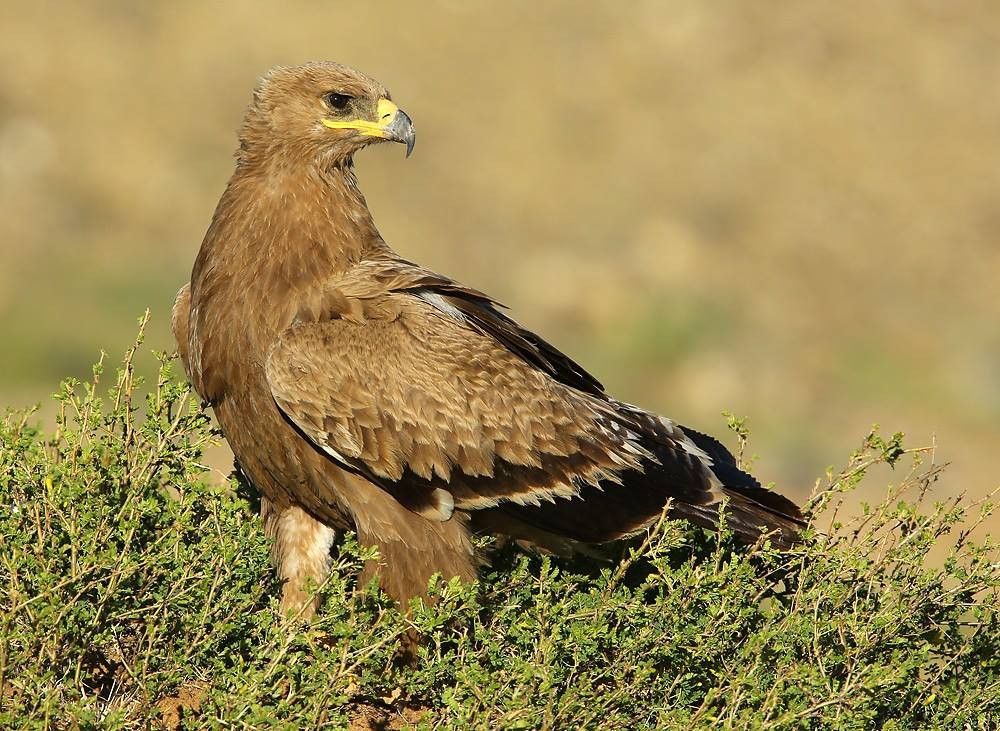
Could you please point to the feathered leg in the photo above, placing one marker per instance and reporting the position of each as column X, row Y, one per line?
column 300, row 553
column 411, row 548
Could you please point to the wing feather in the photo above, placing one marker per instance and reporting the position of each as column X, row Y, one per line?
column 430, row 392
column 422, row 404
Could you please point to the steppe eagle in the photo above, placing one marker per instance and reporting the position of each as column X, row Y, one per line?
column 361, row 391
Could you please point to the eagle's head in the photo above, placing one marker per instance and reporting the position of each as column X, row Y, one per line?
column 323, row 112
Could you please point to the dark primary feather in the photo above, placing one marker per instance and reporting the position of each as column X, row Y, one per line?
column 465, row 409
column 601, row 512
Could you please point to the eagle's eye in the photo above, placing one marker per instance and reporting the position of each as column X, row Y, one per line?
column 337, row 102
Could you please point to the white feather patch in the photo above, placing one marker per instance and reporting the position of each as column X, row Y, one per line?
column 443, row 505
column 440, row 303
column 335, row 454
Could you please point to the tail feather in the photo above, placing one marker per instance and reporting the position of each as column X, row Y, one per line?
column 752, row 509
column 747, row 518
column 694, row 471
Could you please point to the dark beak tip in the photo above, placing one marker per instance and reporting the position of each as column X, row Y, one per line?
column 401, row 130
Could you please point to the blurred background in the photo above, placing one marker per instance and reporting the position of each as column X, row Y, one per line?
column 790, row 211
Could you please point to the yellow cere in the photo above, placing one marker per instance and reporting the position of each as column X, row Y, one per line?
column 385, row 111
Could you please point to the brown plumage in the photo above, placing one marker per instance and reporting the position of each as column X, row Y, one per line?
column 360, row 391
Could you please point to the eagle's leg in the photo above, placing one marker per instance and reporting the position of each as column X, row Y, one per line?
column 411, row 548
column 404, row 571
column 300, row 552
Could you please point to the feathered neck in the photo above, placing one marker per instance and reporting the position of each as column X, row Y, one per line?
column 291, row 224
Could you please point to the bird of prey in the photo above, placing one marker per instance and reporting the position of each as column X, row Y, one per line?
column 360, row 391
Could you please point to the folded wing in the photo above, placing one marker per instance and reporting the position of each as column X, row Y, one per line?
column 448, row 404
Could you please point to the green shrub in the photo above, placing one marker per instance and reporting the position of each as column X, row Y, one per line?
column 136, row 593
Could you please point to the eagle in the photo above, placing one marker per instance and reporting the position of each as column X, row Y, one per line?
column 360, row 391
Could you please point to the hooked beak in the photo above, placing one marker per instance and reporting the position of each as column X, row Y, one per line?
column 393, row 124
